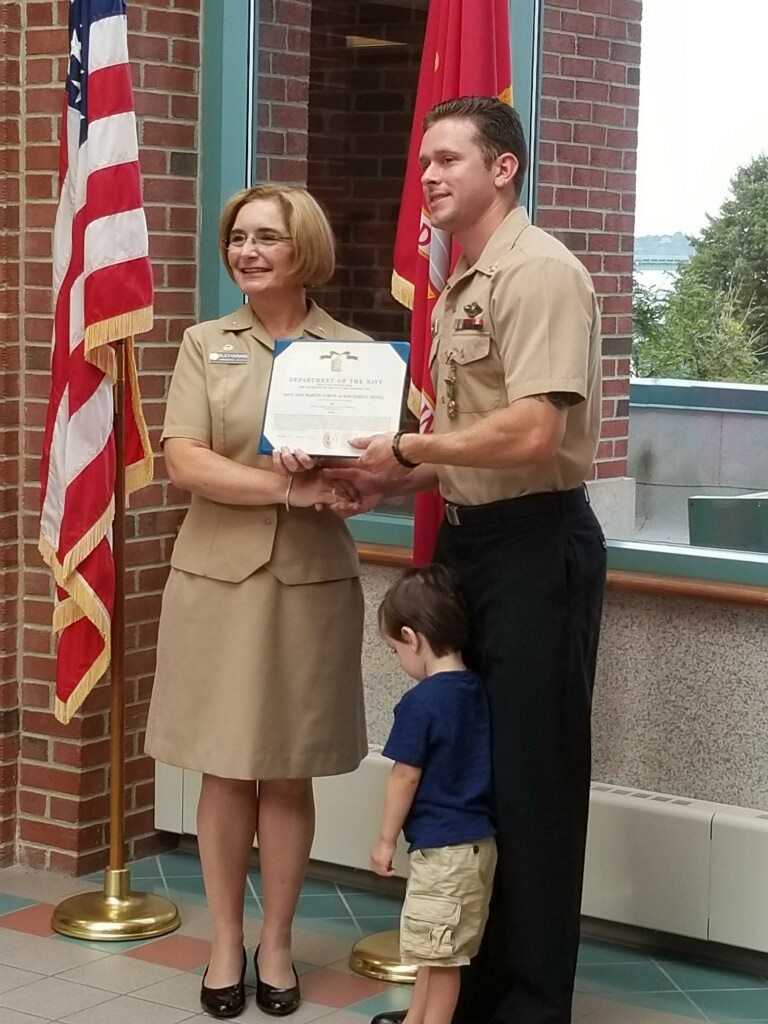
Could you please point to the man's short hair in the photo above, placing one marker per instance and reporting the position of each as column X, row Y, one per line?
column 314, row 249
column 429, row 601
column 498, row 128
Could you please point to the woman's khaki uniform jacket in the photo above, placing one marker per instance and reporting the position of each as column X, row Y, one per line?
column 217, row 396
column 259, row 646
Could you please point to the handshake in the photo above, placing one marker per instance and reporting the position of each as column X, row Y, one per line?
column 334, row 484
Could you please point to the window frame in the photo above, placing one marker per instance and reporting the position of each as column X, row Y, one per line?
column 228, row 151
column 229, row 85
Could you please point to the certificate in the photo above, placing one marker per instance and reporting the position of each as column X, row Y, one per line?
column 322, row 393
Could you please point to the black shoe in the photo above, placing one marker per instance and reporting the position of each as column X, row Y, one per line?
column 389, row 1017
column 277, row 1001
column 227, row 1001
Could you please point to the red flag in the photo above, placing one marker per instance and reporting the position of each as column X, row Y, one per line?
column 467, row 52
column 102, row 282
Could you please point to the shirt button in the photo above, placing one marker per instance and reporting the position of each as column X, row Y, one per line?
column 268, row 521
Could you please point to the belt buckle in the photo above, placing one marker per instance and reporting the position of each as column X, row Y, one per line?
column 452, row 515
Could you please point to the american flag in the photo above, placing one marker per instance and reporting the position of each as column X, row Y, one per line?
column 102, row 282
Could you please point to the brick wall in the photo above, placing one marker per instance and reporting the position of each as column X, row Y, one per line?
column 10, row 70
column 339, row 121
column 63, row 771
column 283, row 89
column 360, row 110
column 588, row 152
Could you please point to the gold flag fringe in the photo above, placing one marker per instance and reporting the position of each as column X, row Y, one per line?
column 65, row 710
column 82, row 601
column 115, row 328
column 140, row 473
column 103, row 357
column 414, row 400
column 66, row 613
column 98, row 336
column 402, row 290
column 83, row 597
column 62, row 571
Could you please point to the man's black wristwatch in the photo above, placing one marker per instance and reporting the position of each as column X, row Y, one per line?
column 399, row 455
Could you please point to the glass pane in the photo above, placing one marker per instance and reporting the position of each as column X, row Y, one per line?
column 364, row 68
column 699, row 398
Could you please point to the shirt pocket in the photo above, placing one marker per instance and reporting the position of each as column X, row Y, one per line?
column 430, row 924
column 238, row 394
column 473, row 374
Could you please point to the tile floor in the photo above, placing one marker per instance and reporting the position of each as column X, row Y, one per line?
column 45, row 977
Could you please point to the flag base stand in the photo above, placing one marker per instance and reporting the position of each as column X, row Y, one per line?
column 115, row 914
column 378, row 956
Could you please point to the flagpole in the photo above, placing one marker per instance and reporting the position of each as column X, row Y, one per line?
column 117, row 660
column 117, row 913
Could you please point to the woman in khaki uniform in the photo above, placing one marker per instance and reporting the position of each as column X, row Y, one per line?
column 258, row 682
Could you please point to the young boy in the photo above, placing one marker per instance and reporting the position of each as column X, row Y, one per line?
column 439, row 791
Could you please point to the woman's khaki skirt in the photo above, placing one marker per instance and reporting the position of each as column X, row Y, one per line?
column 258, row 679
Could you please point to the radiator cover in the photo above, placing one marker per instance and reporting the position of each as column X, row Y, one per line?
column 654, row 860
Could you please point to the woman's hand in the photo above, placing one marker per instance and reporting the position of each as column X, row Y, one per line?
column 308, row 490
column 314, row 489
column 287, row 462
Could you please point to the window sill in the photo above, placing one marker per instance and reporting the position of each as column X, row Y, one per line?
column 690, row 564
column 656, row 570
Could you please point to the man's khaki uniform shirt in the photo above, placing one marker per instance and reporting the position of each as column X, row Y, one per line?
column 522, row 321
column 217, row 396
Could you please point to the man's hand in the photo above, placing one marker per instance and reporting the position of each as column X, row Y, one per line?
column 360, row 488
column 377, row 457
column 381, row 857
column 346, row 509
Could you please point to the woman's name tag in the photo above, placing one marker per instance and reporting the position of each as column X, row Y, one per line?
column 232, row 358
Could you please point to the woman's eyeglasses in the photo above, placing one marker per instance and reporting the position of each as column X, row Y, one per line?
column 259, row 239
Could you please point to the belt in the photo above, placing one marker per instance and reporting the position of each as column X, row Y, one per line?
column 510, row 508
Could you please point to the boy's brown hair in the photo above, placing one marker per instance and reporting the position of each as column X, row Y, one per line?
column 427, row 599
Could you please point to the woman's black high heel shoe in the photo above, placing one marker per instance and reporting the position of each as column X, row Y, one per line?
column 277, row 1001
column 227, row 1001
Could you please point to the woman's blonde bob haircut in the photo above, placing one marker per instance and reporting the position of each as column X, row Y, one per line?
column 313, row 243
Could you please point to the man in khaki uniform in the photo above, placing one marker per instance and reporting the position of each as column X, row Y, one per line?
column 515, row 361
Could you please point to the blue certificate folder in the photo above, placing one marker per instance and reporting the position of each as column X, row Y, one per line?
column 326, row 387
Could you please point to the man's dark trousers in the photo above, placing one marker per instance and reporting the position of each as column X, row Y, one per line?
column 533, row 572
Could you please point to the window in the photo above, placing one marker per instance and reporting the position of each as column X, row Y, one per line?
column 698, row 437
column 365, row 57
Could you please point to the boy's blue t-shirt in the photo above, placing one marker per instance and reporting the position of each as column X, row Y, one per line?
column 443, row 727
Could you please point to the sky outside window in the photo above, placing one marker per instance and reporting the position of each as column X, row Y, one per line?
column 703, row 109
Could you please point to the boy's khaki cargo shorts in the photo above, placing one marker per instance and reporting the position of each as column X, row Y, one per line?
column 446, row 904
